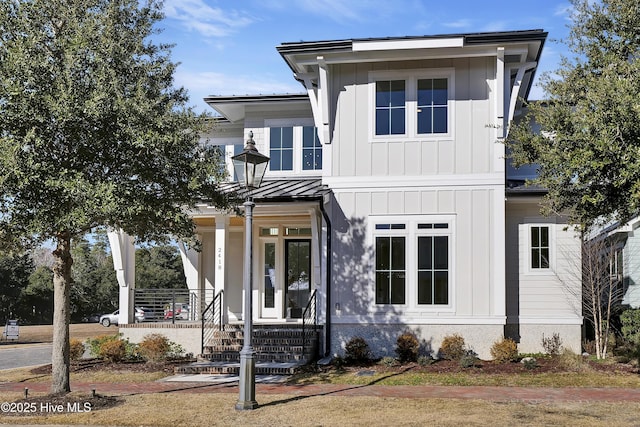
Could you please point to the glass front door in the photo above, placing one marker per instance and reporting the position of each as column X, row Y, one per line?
column 298, row 276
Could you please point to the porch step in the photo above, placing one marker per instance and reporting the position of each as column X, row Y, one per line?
column 271, row 344
column 262, row 368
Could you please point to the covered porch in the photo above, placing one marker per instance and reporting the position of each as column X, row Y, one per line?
column 290, row 229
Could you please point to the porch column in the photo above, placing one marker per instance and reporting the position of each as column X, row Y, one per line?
column 220, row 254
column 123, row 252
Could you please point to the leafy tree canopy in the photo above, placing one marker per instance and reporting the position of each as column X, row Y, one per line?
column 93, row 133
column 587, row 146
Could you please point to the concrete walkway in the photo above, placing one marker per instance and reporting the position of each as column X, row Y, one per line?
column 275, row 385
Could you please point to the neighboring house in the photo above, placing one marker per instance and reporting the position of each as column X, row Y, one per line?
column 388, row 193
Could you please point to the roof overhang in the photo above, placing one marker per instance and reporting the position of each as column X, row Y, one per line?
column 520, row 47
column 234, row 108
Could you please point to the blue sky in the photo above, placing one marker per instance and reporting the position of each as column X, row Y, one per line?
column 227, row 47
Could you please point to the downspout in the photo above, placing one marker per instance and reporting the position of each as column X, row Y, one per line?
column 327, row 325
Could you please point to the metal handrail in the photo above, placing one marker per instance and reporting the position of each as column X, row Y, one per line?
column 209, row 315
column 309, row 315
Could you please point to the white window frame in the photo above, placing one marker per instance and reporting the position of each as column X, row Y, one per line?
column 297, row 125
column 411, row 78
column 552, row 249
column 411, row 234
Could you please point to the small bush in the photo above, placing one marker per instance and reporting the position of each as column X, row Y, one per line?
column 425, row 360
column 571, row 361
column 529, row 363
column 154, row 347
column 453, row 347
column 113, row 350
column 96, row 343
column 407, row 347
column 552, row 345
column 630, row 320
column 505, row 350
column 76, row 349
column 338, row 362
column 469, row 359
column 388, row 361
column 357, row 351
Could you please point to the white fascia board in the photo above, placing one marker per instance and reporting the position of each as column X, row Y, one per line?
column 441, row 181
column 369, row 45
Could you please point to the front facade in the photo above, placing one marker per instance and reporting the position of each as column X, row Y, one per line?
column 387, row 195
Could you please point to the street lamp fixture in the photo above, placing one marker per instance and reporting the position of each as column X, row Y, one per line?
column 250, row 167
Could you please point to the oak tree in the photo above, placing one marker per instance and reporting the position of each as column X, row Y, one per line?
column 93, row 132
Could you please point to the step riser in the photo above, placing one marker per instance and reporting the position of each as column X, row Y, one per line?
column 232, row 370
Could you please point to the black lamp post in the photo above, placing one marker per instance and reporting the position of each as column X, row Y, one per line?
column 250, row 167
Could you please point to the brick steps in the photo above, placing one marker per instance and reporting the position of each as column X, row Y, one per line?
column 278, row 350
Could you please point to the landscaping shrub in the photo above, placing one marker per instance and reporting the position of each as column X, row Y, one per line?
column 388, row 361
column 407, row 347
column 571, row 361
column 76, row 349
column 529, row 362
column 154, row 347
column 552, row 345
column 113, row 350
column 504, row 350
column 425, row 360
column 630, row 329
column 357, row 351
column 469, row 359
column 453, row 347
column 109, row 347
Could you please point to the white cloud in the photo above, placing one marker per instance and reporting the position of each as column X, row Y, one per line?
column 460, row 23
column 564, row 10
column 209, row 21
column 201, row 84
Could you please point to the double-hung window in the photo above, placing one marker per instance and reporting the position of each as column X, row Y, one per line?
column 413, row 104
column 311, row 149
column 413, row 261
column 281, row 148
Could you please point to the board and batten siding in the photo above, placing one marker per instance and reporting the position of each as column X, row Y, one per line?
column 469, row 149
column 631, row 262
column 474, row 285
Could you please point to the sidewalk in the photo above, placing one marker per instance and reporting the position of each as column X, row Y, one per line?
column 270, row 385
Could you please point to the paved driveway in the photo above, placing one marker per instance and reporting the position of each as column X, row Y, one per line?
column 25, row 355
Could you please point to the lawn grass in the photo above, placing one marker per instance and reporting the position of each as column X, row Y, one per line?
column 563, row 379
column 218, row 409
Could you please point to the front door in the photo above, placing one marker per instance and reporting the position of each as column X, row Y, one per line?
column 297, row 262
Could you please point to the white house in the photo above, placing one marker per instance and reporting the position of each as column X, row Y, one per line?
column 388, row 194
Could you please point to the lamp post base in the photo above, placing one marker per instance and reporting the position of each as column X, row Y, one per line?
column 247, row 396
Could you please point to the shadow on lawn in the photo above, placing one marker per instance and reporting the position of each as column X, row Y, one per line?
column 341, row 390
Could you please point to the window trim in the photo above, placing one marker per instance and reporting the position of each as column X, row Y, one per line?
column 297, row 125
column 552, row 249
column 411, row 232
column 411, row 78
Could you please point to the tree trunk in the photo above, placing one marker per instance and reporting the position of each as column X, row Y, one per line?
column 60, row 362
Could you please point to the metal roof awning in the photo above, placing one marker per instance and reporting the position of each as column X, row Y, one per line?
column 281, row 190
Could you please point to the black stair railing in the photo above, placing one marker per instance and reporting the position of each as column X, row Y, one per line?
column 212, row 319
column 309, row 324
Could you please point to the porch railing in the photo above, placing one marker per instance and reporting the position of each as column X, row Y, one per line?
column 212, row 319
column 309, row 323
column 172, row 305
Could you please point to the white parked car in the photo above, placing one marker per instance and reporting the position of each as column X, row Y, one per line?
column 108, row 319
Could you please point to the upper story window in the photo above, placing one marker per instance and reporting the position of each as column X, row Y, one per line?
column 281, row 148
column 432, row 106
column 293, row 146
column 390, row 107
column 414, row 103
column 311, row 149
